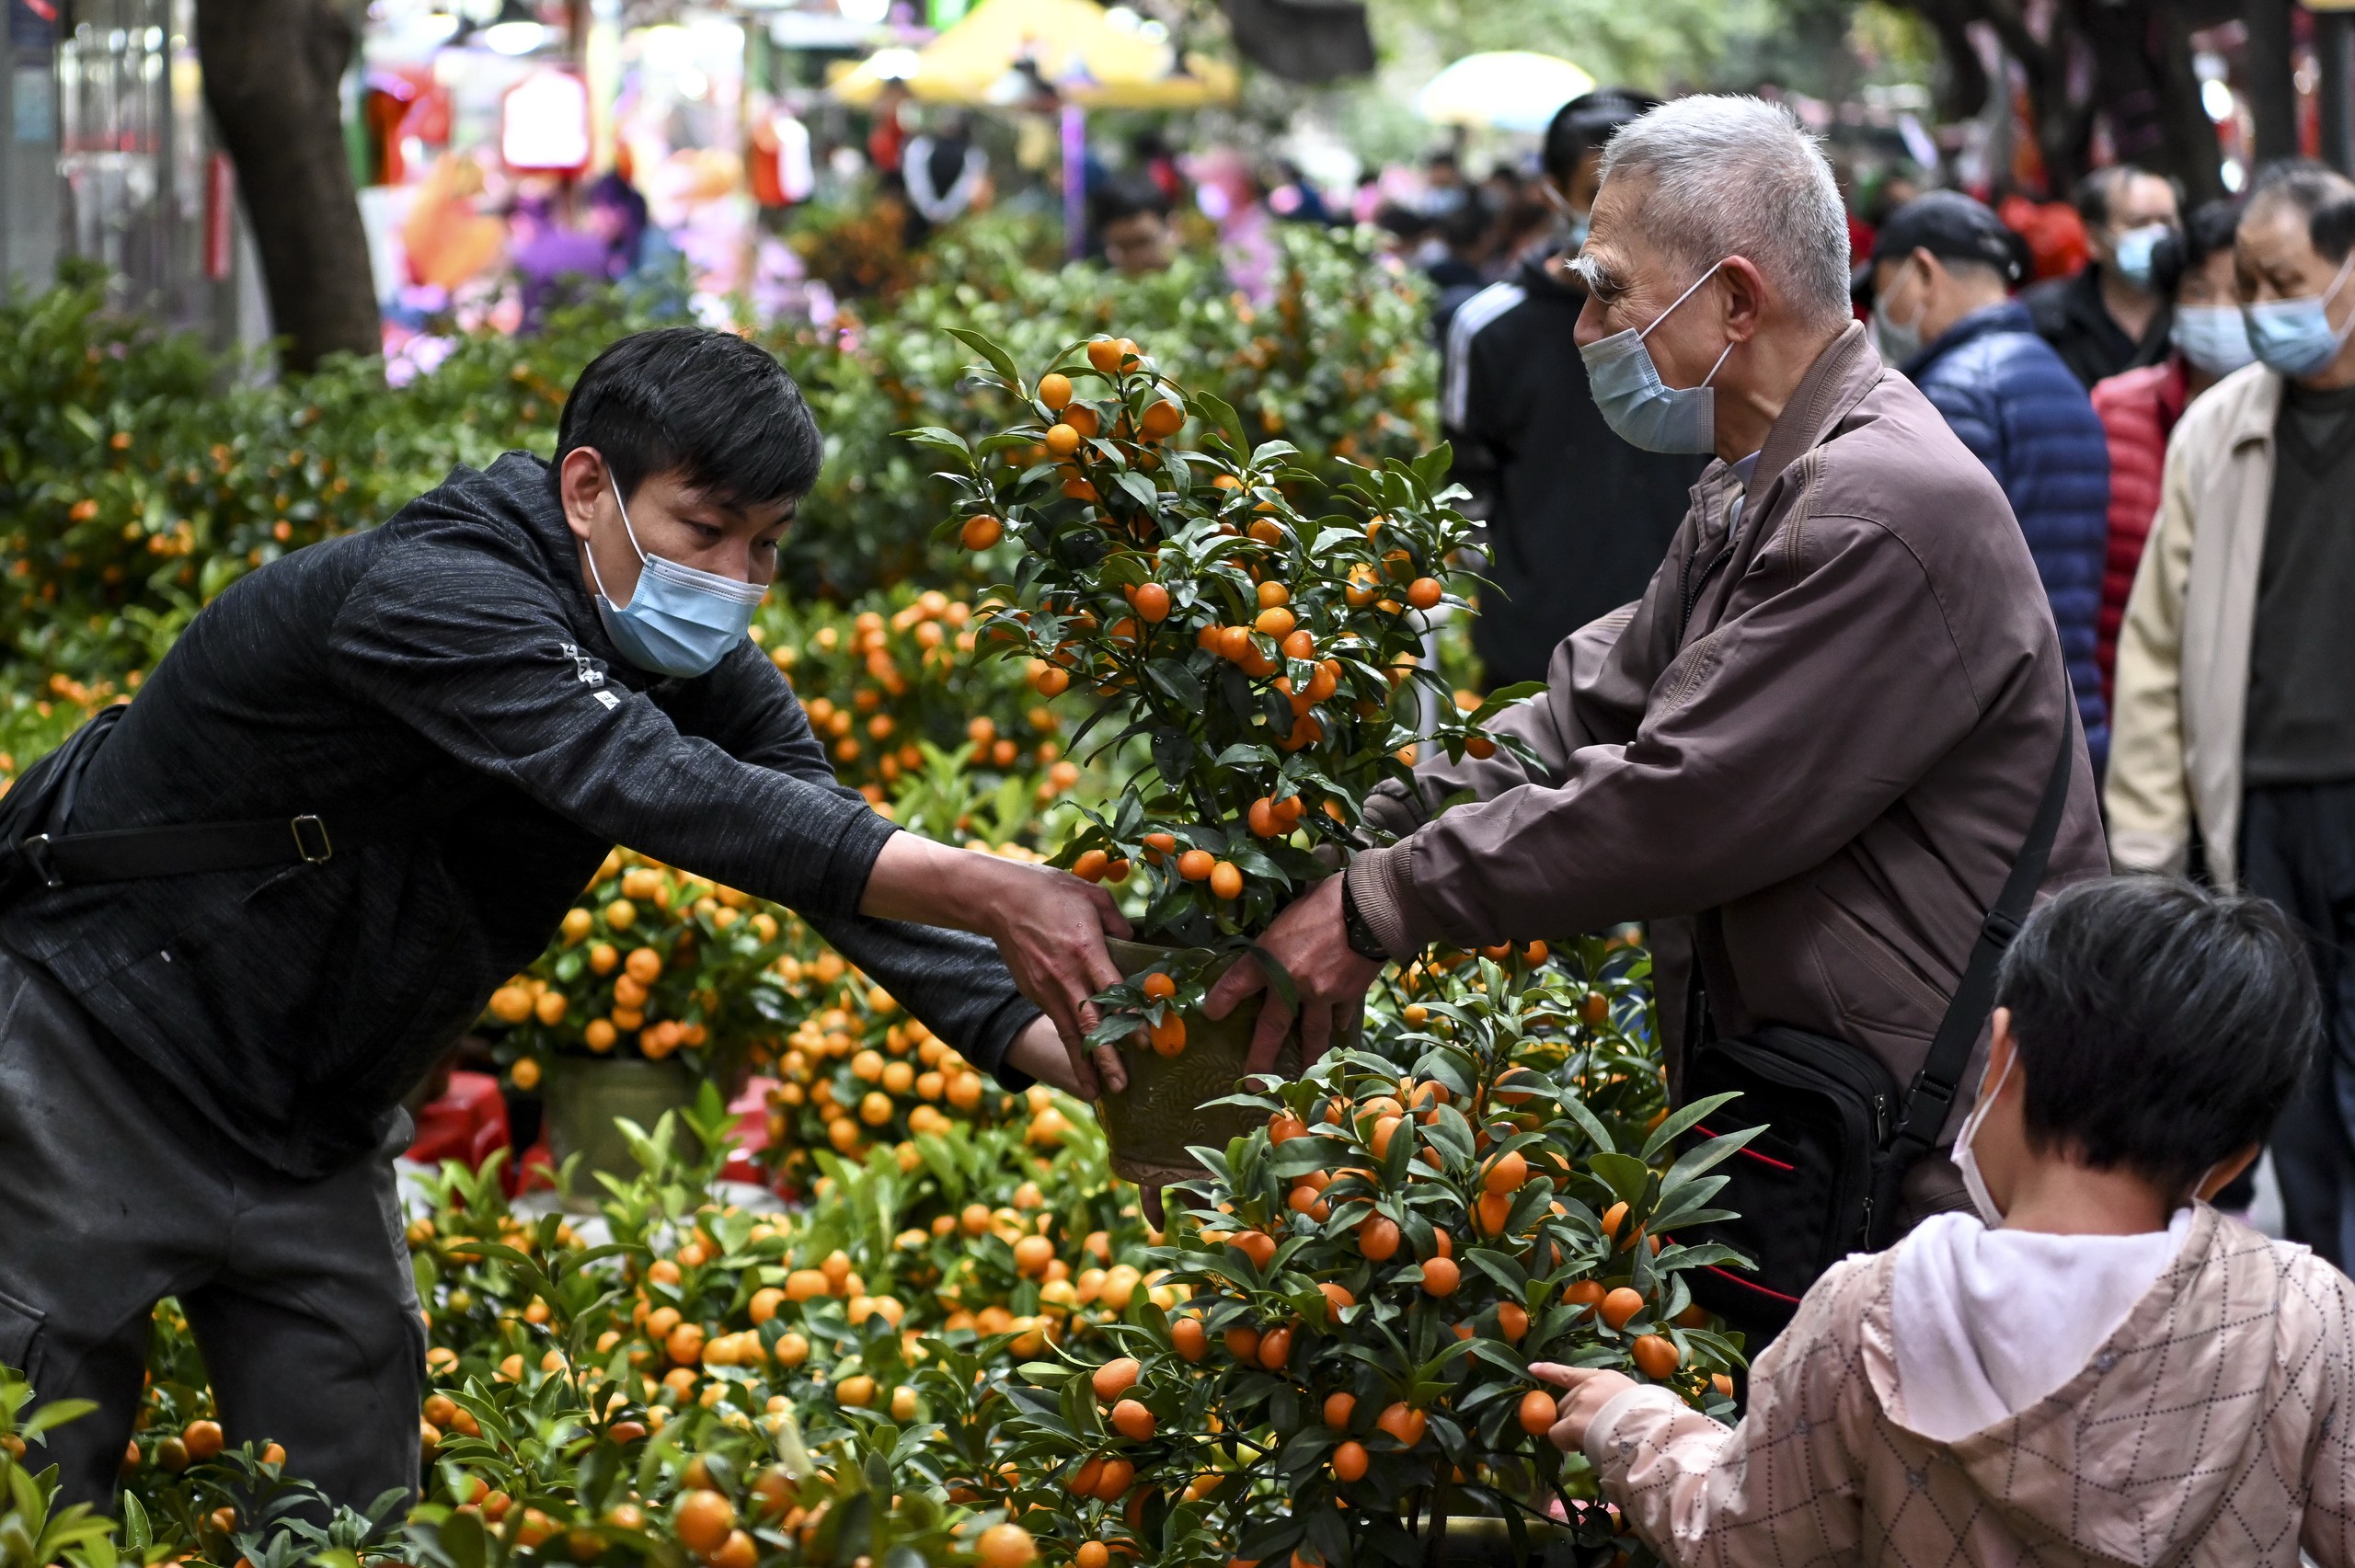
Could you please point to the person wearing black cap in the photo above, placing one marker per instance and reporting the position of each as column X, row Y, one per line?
column 1577, row 520
column 1940, row 283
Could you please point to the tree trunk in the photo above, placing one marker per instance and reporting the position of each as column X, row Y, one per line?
column 2335, row 52
column 2187, row 134
column 1963, row 85
column 272, row 73
column 2060, row 120
column 2145, row 84
column 2140, row 53
column 2272, row 94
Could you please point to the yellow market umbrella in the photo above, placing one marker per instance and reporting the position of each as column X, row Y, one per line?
column 1070, row 44
column 1507, row 89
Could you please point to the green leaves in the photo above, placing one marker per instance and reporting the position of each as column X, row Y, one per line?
column 999, row 361
column 1502, row 1061
column 1222, row 419
column 1180, row 589
column 1627, row 1176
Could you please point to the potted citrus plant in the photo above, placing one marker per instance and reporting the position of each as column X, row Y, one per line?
column 1491, row 1179
column 653, row 984
column 1249, row 629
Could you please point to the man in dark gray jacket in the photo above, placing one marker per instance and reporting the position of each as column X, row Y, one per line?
column 439, row 728
column 1811, row 752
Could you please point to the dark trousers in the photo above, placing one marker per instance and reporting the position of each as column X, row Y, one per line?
column 113, row 1194
column 2298, row 849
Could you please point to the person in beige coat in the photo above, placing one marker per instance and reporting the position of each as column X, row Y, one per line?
column 2101, row 1370
column 2232, row 746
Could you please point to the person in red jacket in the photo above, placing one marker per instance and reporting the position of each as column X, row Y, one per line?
column 2139, row 407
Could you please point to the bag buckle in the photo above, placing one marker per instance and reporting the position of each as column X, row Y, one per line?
column 310, row 830
column 2000, row 928
column 1924, row 1091
column 36, row 854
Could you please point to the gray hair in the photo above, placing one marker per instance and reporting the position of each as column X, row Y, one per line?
column 1736, row 176
column 2324, row 196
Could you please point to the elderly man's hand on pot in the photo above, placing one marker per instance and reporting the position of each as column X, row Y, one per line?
column 1328, row 981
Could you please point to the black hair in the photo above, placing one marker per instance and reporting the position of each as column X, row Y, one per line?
column 2160, row 1027
column 1464, row 225
column 2095, row 192
column 2207, row 229
column 2322, row 193
column 710, row 407
column 1585, row 123
column 1405, row 221
column 1126, row 197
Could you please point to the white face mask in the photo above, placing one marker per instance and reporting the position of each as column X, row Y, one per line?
column 1897, row 340
column 1965, row 1161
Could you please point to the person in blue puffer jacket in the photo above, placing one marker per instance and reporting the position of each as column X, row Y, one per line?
column 1940, row 281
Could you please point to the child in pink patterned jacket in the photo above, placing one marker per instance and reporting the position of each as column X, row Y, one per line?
column 2095, row 1368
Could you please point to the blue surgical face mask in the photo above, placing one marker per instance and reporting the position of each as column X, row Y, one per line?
column 1637, row 405
column 2295, row 336
column 679, row 621
column 2134, row 249
column 2214, row 338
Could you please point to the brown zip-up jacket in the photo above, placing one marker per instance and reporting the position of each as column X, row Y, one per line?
column 1821, row 734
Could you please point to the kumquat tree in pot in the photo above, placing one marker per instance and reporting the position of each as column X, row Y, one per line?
column 1248, row 628
column 1491, row 1178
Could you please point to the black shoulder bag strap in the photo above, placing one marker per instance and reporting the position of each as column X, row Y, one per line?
column 53, row 857
column 1931, row 1096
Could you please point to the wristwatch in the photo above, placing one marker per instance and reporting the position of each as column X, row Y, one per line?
column 1354, row 929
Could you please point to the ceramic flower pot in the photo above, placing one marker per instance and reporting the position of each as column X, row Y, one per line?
column 584, row 1096
column 1165, row 1108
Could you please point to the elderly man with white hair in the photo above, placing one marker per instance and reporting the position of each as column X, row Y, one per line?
column 1812, row 754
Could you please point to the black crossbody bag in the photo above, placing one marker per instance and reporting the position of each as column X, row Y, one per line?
column 36, row 850
column 1820, row 1178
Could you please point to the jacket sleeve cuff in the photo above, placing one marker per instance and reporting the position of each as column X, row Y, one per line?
column 993, row 1043
column 1382, row 886
column 1395, row 808
column 857, row 847
column 1602, row 1451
